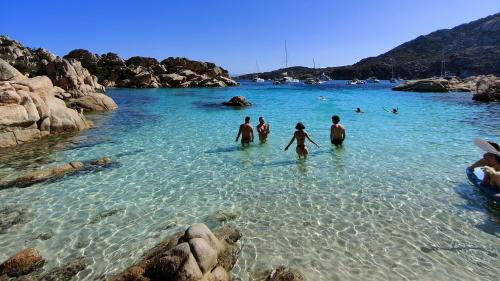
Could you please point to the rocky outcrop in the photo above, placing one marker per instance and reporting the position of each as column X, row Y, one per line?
column 69, row 75
column 146, row 72
column 237, row 101
column 197, row 254
column 487, row 89
column 53, row 173
column 22, row 263
column 425, row 85
column 30, row 109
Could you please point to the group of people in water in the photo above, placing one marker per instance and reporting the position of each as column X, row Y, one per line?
column 337, row 134
column 490, row 161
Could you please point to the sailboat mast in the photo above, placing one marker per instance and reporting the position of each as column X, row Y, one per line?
column 257, row 65
column 286, row 56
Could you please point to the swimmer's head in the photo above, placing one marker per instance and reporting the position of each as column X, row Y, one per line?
column 335, row 119
column 247, row 119
column 300, row 126
column 261, row 120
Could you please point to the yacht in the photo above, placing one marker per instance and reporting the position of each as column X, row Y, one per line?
column 356, row 81
column 372, row 79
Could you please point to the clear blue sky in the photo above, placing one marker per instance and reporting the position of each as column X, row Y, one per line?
column 235, row 33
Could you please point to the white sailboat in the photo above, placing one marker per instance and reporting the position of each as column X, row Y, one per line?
column 393, row 80
column 256, row 78
column 286, row 78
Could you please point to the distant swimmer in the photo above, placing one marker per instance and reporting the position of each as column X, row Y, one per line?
column 358, row 110
column 394, row 110
column 337, row 131
column 322, row 97
column 300, row 135
column 263, row 129
column 246, row 132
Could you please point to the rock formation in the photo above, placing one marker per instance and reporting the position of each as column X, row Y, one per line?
column 425, row 85
column 53, row 173
column 281, row 273
column 69, row 75
column 238, row 101
column 30, row 109
column 22, row 263
column 197, row 254
column 486, row 88
column 145, row 72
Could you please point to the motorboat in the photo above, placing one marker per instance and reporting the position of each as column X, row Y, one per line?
column 356, row 82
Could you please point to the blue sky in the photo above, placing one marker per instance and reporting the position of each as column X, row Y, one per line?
column 234, row 34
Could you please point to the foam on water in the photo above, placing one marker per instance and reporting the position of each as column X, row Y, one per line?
column 392, row 204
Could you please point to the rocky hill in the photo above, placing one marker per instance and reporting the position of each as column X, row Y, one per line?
column 145, row 72
column 468, row 49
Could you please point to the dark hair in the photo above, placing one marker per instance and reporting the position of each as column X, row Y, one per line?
column 247, row 119
column 336, row 118
column 261, row 117
column 495, row 145
column 300, row 126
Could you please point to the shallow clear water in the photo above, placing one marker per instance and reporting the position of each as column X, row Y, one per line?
column 392, row 204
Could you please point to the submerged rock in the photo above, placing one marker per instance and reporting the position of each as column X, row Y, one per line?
column 105, row 214
column 237, row 101
column 54, row 173
column 281, row 273
column 11, row 216
column 64, row 272
column 197, row 254
column 22, row 263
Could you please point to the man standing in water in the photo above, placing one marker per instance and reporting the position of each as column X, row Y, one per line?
column 263, row 130
column 246, row 132
column 337, row 131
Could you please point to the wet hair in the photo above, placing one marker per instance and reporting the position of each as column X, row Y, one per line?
column 394, row 110
column 358, row 109
column 261, row 118
column 335, row 118
column 497, row 147
column 300, row 126
column 247, row 119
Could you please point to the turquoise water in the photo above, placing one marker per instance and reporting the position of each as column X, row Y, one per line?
column 392, row 204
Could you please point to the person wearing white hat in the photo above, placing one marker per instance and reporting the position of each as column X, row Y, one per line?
column 492, row 156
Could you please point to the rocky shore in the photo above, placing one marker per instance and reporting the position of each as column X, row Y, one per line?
column 198, row 254
column 486, row 88
column 145, row 72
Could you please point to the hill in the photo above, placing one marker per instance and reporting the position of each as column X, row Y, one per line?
column 468, row 49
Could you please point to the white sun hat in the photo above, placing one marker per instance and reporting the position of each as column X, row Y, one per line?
column 486, row 146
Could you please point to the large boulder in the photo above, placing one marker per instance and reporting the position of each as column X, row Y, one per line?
column 22, row 263
column 87, row 59
column 95, row 102
column 424, row 85
column 191, row 256
column 237, row 101
column 30, row 109
column 7, row 72
column 487, row 89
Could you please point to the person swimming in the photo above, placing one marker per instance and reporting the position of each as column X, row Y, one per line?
column 263, row 129
column 395, row 110
column 337, row 131
column 491, row 158
column 358, row 110
column 301, row 135
column 246, row 132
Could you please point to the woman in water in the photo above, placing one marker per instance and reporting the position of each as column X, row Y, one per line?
column 300, row 135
